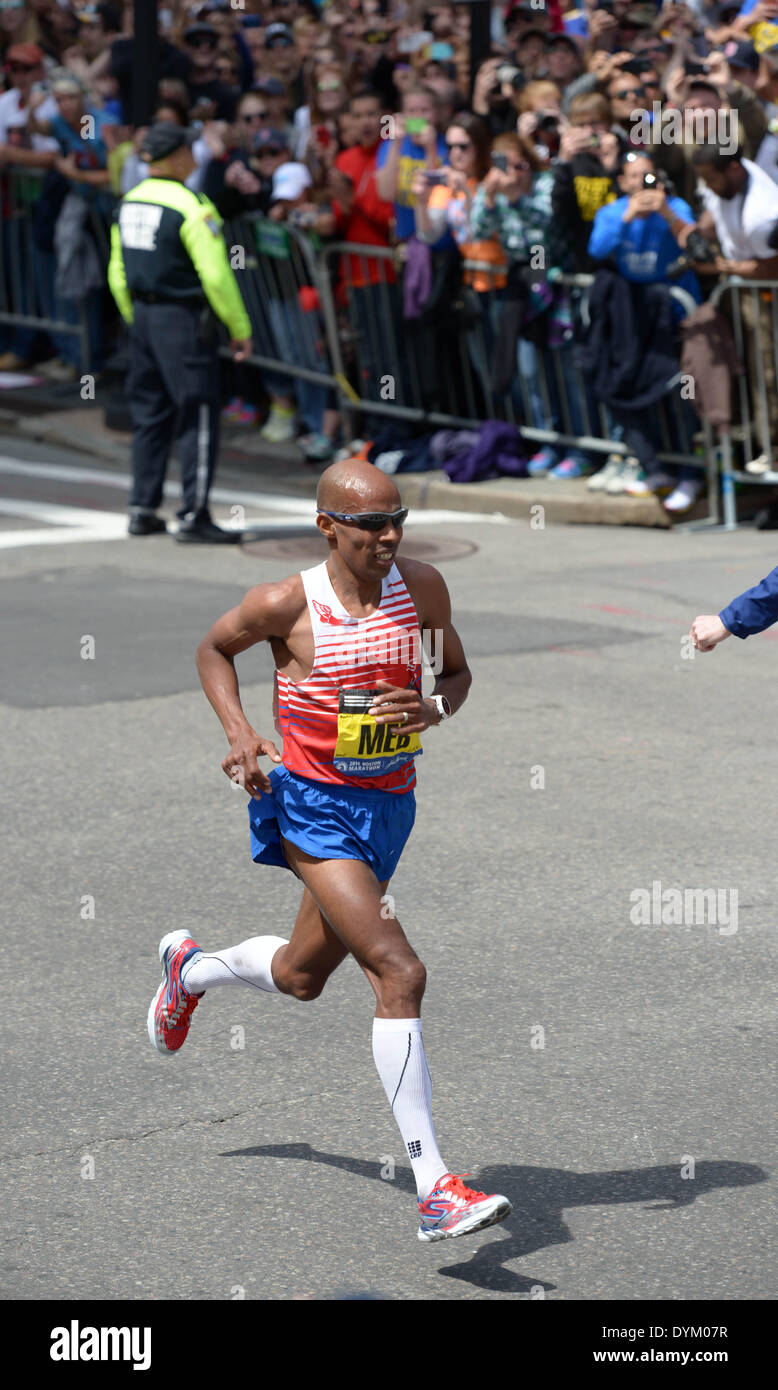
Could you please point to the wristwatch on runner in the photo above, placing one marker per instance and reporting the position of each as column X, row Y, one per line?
column 442, row 706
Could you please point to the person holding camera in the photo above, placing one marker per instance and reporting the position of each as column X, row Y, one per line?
column 741, row 209
column 589, row 155
column 494, row 94
column 515, row 203
column 540, row 119
column 640, row 230
column 643, row 233
column 443, row 203
column 416, row 144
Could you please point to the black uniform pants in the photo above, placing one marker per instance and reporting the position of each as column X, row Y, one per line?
column 173, row 392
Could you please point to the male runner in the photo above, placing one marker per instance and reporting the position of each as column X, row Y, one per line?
column 747, row 614
column 346, row 640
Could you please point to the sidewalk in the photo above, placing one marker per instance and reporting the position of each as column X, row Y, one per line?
column 56, row 415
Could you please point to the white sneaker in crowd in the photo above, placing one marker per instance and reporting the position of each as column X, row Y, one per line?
column 280, row 425
column 684, row 496
column 650, row 485
column 629, row 472
column 599, row 481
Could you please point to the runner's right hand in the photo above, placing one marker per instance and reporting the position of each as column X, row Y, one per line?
column 241, row 764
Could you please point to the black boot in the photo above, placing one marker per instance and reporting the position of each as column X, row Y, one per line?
column 203, row 531
column 145, row 525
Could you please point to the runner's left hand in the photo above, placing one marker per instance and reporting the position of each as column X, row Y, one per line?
column 395, row 700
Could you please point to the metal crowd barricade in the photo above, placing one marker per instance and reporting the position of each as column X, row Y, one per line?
column 329, row 318
column 385, row 352
column 752, row 308
column 289, row 302
column 28, row 298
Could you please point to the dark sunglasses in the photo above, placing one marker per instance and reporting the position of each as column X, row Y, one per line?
column 202, row 41
column 262, row 150
column 22, row 67
column 628, row 92
column 453, row 145
column 371, row 521
column 255, row 115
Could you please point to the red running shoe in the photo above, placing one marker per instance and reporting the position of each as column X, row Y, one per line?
column 171, row 1009
column 455, row 1210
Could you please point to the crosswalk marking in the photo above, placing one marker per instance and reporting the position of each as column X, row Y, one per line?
column 64, row 524
column 293, row 507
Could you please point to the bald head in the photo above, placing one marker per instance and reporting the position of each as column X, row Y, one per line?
column 354, row 485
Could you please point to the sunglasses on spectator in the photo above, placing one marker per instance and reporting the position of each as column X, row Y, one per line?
column 202, row 41
column 456, row 145
column 628, row 92
column 255, row 115
column 371, row 521
column 268, row 149
column 22, row 67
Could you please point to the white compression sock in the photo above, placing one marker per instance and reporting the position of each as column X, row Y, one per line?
column 247, row 964
column 402, row 1066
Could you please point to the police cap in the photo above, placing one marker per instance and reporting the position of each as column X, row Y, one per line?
column 164, row 139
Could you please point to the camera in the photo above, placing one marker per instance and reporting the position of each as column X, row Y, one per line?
column 509, row 76
column 548, row 124
column 651, row 181
column 500, row 161
column 693, row 69
column 697, row 249
column 303, row 218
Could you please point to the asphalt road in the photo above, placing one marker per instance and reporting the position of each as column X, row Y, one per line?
column 637, row 1144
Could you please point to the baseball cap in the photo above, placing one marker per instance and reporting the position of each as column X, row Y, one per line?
column 163, row 139
column 200, row 28
column 271, row 86
column 640, row 17
column 741, row 55
column 554, row 39
column 279, row 35
column 290, row 181
column 532, row 34
column 65, row 83
column 267, row 136
column 28, row 53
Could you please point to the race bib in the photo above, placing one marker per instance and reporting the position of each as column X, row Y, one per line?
column 365, row 748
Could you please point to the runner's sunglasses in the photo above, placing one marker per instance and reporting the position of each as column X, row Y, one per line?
column 371, row 521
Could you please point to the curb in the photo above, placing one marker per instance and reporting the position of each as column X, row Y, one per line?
column 563, row 503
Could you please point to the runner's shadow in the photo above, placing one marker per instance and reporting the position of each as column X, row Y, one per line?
column 539, row 1196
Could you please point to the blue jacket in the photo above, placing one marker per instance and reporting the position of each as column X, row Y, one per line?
column 754, row 610
column 644, row 248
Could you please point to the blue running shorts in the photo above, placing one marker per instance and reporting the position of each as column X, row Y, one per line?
column 331, row 822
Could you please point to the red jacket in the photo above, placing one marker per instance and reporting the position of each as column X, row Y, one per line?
column 370, row 219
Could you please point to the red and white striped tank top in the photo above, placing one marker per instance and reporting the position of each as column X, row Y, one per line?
column 327, row 732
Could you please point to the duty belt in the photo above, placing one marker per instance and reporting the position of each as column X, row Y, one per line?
column 144, row 297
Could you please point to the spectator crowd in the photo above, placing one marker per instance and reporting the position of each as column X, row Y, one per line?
column 633, row 142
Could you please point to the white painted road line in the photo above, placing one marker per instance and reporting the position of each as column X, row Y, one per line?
column 66, row 524
column 264, row 501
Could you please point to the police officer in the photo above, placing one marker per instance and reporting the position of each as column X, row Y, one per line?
column 168, row 264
